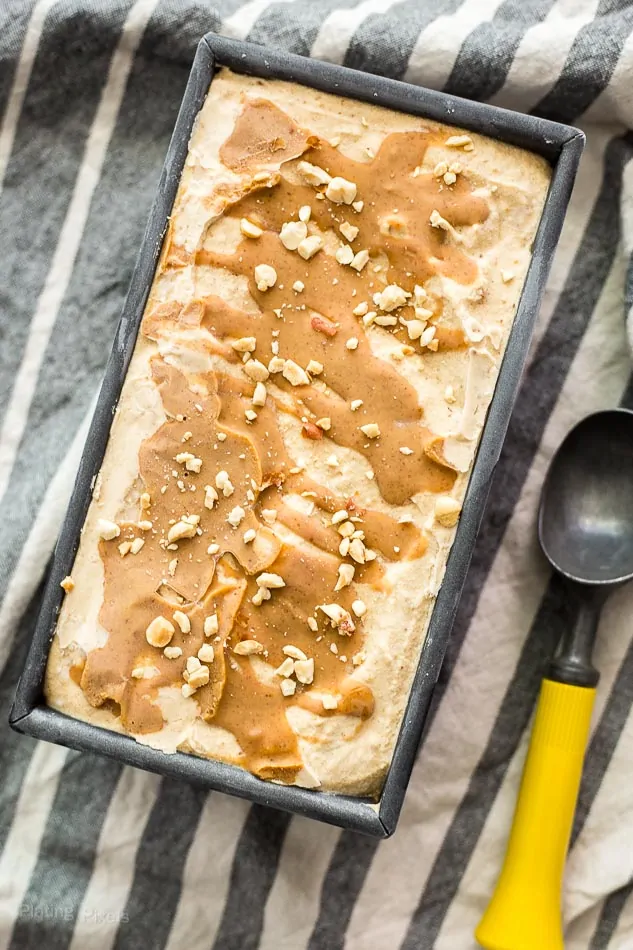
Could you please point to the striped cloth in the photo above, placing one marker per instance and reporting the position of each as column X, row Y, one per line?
column 94, row 855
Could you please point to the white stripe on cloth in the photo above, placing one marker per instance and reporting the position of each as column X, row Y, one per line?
column 21, row 82
column 40, row 541
column 338, row 28
column 103, row 905
column 293, row 904
column 240, row 23
column 58, row 277
column 207, row 874
column 510, row 597
column 438, row 46
column 627, row 231
column 22, row 846
column 542, row 53
column 622, row 938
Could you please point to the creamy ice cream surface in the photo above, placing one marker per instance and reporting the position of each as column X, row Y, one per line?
column 294, row 438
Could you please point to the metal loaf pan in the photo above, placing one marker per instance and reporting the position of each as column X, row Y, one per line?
column 562, row 147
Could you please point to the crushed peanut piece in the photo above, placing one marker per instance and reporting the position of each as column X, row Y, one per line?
column 299, row 286
column 358, row 206
column 355, row 404
column 206, row 653
column 294, row 652
column 305, row 213
column 345, row 576
column 314, row 368
column 360, row 260
column 338, row 616
column 259, row 395
column 181, row 530
column 245, row 344
column 172, row 653
column 304, row 671
column 295, row 374
column 124, row 548
column 286, row 668
column 249, row 229
column 183, row 621
column 460, row 141
column 199, row 677
column 236, row 516
column 313, row 625
column 341, row 191
column 256, row 371
column 392, row 297
column 406, row 450
column 292, row 234
column 288, row 687
column 361, row 309
column 211, row 625
column 223, row 482
column 371, row 430
column 248, row 648
column 67, row 584
column 249, row 536
column 210, row 496
column 265, row 277
column 348, row 231
column 359, row 608
column 145, row 525
column 136, row 545
column 447, row 511
column 313, row 174
column 309, row 246
column 107, row 530
column 344, row 254
column 329, row 701
column 159, row 632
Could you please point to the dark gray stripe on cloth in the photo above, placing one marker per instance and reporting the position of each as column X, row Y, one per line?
column 155, row 892
column 512, row 719
column 383, row 43
column 16, row 751
column 486, row 56
column 252, row 877
column 610, row 918
column 68, row 75
column 294, row 27
column 67, row 852
column 590, row 63
column 537, row 398
column 14, row 20
column 342, row 884
column 541, row 387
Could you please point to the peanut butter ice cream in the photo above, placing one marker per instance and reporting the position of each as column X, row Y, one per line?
column 294, row 438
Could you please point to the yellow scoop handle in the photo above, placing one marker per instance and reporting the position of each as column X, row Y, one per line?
column 525, row 910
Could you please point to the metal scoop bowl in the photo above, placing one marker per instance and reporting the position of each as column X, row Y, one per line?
column 585, row 528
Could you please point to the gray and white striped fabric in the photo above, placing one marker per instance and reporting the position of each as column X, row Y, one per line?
column 94, row 855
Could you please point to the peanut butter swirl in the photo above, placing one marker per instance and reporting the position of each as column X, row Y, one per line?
column 238, row 582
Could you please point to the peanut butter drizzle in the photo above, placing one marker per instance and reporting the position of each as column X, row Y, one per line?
column 139, row 587
column 314, row 325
